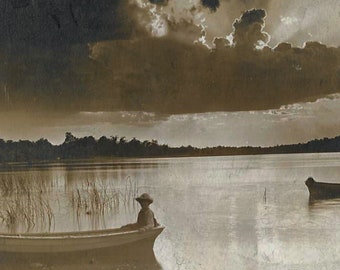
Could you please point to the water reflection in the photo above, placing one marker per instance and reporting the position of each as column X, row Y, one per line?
column 126, row 257
column 324, row 204
column 86, row 165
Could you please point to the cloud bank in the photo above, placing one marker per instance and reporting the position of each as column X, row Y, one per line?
column 136, row 56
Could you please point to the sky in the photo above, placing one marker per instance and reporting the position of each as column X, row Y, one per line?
column 198, row 72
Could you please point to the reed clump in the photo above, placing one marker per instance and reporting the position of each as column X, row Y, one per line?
column 99, row 197
column 25, row 202
column 130, row 191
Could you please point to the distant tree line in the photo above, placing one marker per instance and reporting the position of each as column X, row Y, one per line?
column 89, row 147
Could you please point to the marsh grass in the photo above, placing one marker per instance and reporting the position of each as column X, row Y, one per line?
column 27, row 200
column 27, row 212
column 100, row 197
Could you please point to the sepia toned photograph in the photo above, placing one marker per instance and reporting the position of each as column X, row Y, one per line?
column 169, row 134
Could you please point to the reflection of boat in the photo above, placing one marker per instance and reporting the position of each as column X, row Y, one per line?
column 320, row 190
column 76, row 241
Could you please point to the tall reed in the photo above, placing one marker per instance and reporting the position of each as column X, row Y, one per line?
column 98, row 197
column 25, row 202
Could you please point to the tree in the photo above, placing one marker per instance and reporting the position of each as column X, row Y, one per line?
column 69, row 137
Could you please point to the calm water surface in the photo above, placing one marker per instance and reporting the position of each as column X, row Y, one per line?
column 244, row 212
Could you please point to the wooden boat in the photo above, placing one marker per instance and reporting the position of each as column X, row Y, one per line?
column 320, row 190
column 75, row 241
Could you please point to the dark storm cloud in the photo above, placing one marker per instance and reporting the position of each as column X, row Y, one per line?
column 193, row 79
column 250, row 17
column 248, row 29
column 37, row 78
column 211, row 4
column 54, row 23
column 44, row 50
column 168, row 76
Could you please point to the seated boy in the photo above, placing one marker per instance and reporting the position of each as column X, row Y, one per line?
column 146, row 219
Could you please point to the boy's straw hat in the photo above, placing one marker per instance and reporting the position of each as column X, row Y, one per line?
column 144, row 197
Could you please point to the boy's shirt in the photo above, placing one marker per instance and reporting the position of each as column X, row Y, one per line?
column 146, row 219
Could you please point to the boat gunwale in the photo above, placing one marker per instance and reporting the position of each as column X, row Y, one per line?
column 326, row 184
column 77, row 235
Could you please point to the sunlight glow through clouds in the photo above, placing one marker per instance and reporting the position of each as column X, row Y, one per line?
column 305, row 20
column 288, row 27
column 292, row 21
column 289, row 20
column 158, row 24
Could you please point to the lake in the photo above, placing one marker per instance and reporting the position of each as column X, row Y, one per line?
column 235, row 212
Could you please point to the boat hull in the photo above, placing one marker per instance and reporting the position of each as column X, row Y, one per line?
column 320, row 190
column 74, row 242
